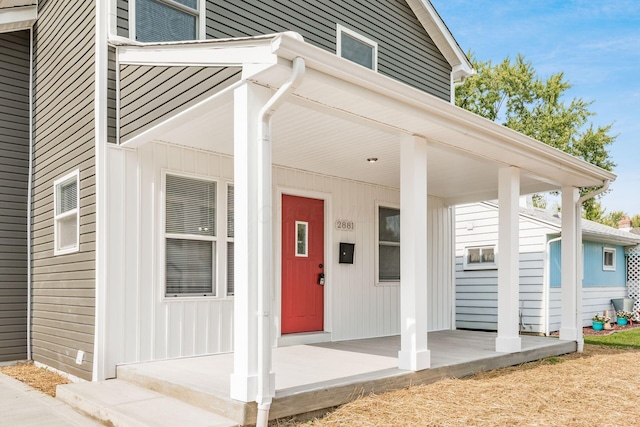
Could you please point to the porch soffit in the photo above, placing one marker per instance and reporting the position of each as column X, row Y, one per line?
column 343, row 114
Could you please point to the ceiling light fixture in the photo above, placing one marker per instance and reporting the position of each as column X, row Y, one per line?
column 372, row 159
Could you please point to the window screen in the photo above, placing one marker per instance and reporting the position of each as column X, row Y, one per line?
column 160, row 21
column 66, row 214
column 357, row 51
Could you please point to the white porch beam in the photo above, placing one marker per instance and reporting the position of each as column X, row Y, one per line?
column 413, row 354
column 248, row 101
column 223, row 54
column 508, row 340
column 571, row 291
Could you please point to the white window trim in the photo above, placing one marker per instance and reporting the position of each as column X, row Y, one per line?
column 219, row 287
column 481, row 265
column 75, row 174
column 379, row 205
column 201, row 17
column 609, row 267
column 304, row 254
column 342, row 29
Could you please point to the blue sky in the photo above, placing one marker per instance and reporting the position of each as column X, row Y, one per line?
column 597, row 46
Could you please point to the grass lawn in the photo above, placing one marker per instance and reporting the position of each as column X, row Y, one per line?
column 619, row 339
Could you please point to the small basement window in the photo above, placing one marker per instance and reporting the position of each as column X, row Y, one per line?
column 66, row 217
column 357, row 48
column 609, row 259
column 480, row 258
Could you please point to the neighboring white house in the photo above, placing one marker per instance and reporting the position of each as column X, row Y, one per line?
column 477, row 255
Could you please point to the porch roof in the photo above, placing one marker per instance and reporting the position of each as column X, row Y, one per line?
column 343, row 114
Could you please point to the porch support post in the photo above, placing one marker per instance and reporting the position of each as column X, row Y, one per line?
column 413, row 354
column 571, row 291
column 508, row 340
column 248, row 100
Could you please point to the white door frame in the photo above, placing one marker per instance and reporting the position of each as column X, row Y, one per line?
column 277, row 259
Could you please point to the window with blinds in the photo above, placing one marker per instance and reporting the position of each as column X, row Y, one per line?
column 66, row 215
column 166, row 20
column 190, row 236
column 230, row 229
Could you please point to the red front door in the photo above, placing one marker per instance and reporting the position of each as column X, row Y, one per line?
column 302, row 264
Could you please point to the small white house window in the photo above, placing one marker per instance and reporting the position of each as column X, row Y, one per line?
column 190, row 236
column 388, row 248
column 609, row 259
column 66, row 217
column 357, row 48
column 165, row 20
column 302, row 238
column 480, row 258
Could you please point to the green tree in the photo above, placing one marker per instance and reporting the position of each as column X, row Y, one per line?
column 635, row 221
column 511, row 93
column 613, row 218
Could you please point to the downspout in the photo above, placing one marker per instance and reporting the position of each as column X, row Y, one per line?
column 580, row 258
column 264, row 395
column 546, row 288
column 29, row 196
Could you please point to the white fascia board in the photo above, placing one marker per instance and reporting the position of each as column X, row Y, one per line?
column 423, row 104
column 442, row 37
column 17, row 18
column 198, row 54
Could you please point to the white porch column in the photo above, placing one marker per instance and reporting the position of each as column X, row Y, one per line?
column 413, row 354
column 508, row 340
column 571, row 292
column 248, row 100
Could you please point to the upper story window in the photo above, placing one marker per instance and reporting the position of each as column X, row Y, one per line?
column 480, row 258
column 388, row 239
column 357, row 48
column 66, row 217
column 609, row 259
column 167, row 20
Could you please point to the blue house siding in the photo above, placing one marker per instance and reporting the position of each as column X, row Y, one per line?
column 594, row 274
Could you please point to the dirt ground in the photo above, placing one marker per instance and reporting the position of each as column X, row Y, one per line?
column 596, row 388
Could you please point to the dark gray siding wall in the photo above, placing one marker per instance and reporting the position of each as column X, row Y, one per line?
column 148, row 94
column 14, row 177
column 64, row 285
column 406, row 52
column 123, row 18
column 111, row 96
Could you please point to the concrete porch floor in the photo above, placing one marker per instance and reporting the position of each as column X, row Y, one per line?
column 317, row 376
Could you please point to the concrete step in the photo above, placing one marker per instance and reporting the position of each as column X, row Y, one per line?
column 196, row 387
column 122, row 404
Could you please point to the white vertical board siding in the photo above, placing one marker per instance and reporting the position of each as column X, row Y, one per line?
column 594, row 300
column 476, row 290
column 147, row 326
column 144, row 325
column 358, row 308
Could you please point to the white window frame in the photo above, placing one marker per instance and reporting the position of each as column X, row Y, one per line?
column 379, row 205
column 57, row 217
column 606, row 267
column 364, row 40
column 480, row 265
column 201, row 23
column 304, row 254
column 219, row 254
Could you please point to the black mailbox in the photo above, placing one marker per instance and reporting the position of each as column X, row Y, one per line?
column 346, row 253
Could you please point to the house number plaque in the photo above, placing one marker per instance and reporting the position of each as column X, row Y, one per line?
column 345, row 225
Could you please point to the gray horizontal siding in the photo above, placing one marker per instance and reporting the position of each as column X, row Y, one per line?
column 406, row 52
column 64, row 140
column 14, row 178
column 149, row 94
column 111, row 97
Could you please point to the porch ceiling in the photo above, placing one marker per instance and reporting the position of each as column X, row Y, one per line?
column 343, row 114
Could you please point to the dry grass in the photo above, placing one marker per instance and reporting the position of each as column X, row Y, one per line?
column 39, row 378
column 596, row 388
